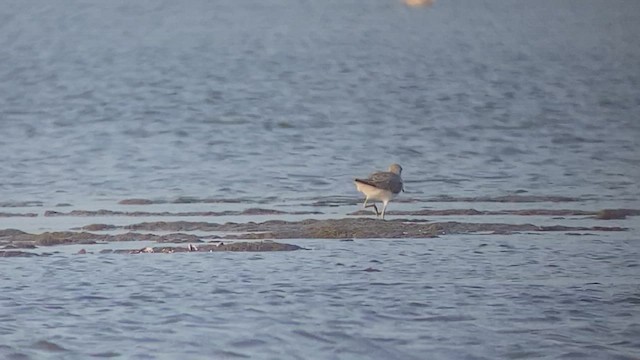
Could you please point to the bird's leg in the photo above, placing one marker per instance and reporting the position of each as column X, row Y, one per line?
column 384, row 207
column 375, row 208
column 370, row 205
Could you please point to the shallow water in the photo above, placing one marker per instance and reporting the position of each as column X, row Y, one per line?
column 272, row 101
column 279, row 105
column 469, row 297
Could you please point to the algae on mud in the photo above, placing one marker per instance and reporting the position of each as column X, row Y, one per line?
column 252, row 246
column 352, row 228
column 245, row 246
column 278, row 229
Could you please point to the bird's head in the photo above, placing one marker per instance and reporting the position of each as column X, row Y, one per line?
column 395, row 168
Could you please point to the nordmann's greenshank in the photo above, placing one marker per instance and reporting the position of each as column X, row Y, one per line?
column 381, row 186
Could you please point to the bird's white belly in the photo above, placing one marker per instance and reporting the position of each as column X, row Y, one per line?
column 374, row 193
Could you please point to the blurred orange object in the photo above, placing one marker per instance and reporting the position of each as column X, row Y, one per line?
column 417, row 3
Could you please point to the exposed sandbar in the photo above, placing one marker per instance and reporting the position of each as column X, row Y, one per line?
column 506, row 199
column 185, row 200
column 333, row 201
column 12, row 240
column 253, row 246
column 18, row 239
column 9, row 204
column 605, row 214
column 250, row 211
column 352, row 228
column 16, row 253
column 5, row 214
column 349, row 228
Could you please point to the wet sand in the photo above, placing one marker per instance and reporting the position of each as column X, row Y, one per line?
column 353, row 228
column 256, row 228
column 6, row 214
column 348, row 228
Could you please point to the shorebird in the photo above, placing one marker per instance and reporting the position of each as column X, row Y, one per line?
column 381, row 186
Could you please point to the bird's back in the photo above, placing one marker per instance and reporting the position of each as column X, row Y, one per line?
column 384, row 180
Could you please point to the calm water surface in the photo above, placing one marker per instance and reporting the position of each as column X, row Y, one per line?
column 290, row 98
column 284, row 102
column 474, row 297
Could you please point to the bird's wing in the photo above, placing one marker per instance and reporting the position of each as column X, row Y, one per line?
column 386, row 181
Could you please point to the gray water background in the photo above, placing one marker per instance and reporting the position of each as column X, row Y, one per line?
column 284, row 102
column 470, row 297
column 280, row 99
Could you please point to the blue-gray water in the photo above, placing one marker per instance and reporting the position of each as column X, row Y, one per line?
column 277, row 98
column 476, row 297
column 284, row 102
